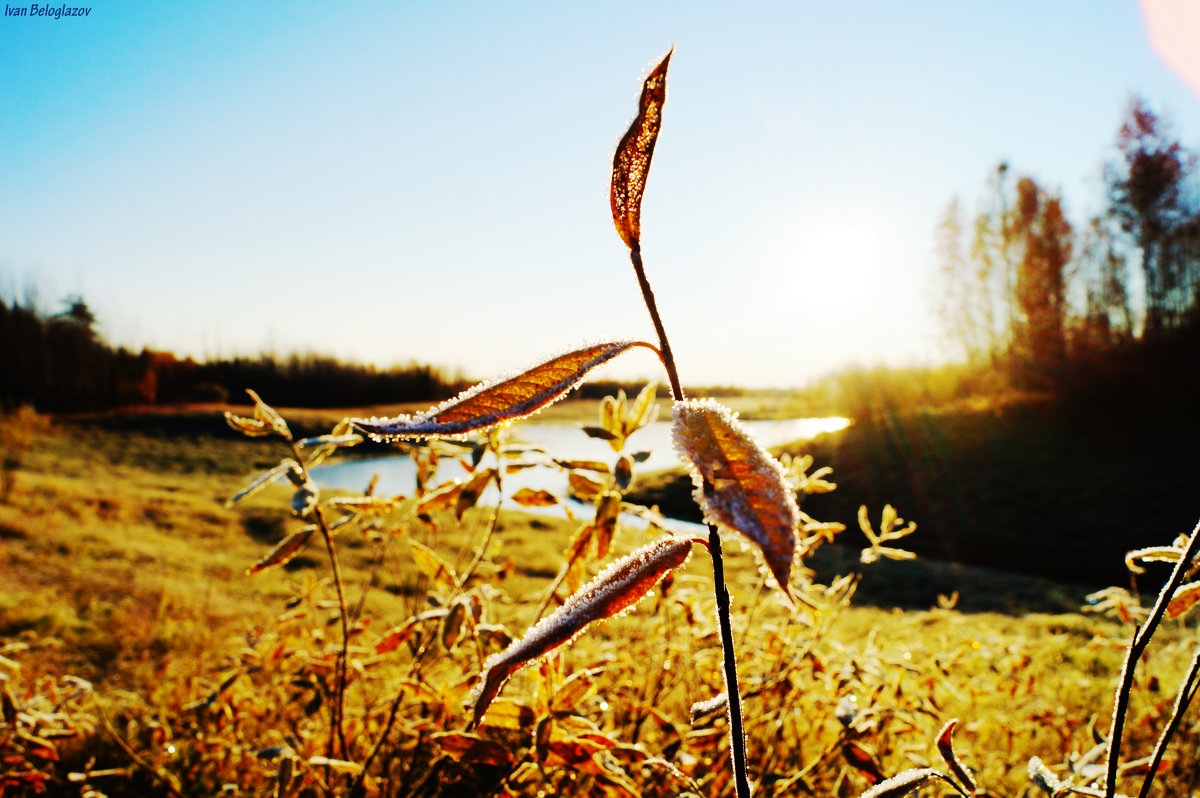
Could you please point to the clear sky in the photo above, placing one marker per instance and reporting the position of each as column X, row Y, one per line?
column 429, row 181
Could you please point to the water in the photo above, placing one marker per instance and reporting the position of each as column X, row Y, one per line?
column 397, row 473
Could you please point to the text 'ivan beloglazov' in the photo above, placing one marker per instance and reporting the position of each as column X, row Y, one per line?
column 46, row 11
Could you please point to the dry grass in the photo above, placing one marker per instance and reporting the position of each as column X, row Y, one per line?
column 133, row 579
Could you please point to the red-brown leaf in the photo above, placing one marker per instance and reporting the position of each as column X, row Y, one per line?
column 738, row 483
column 631, row 163
column 528, row 497
column 284, row 551
column 945, row 746
column 614, row 590
column 490, row 403
column 473, row 749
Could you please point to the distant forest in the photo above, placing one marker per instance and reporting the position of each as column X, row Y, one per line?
column 1026, row 295
column 1029, row 301
column 58, row 363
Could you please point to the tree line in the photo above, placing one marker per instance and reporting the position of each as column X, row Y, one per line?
column 58, row 363
column 1024, row 292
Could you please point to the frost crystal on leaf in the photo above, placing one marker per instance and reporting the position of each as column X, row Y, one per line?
column 614, row 590
column 490, row 403
column 738, row 483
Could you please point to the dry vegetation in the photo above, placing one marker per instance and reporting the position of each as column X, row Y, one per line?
column 133, row 578
column 156, row 642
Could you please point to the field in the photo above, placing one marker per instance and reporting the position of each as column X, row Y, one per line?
column 123, row 568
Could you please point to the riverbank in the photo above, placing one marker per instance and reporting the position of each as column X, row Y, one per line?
column 1035, row 487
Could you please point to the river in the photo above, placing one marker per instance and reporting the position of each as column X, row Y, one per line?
column 397, row 473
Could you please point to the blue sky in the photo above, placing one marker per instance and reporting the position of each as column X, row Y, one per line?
column 395, row 181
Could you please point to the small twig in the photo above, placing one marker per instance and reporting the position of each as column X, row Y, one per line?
column 1140, row 640
column 487, row 538
column 162, row 775
column 1183, row 698
column 562, row 576
column 339, row 699
column 356, row 789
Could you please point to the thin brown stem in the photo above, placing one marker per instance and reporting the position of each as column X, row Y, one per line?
column 337, row 711
column 562, row 577
column 737, row 735
column 664, row 346
column 728, row 654
column 491, row 531
column 165, row 776
column 1140, row 640
column 1187, row 691
column 357, row 788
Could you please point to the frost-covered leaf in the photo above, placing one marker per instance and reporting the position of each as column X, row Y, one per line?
column 394, row 637
column 583, row 465
column 330, row 440
column 473, row 749
column 738, row 483
column 288, row 467
column 434, row 566
column 468, row 497
column 364, row 505
column 452, row 624
column 601, row 433
column 251, row 427
column 863, row 761
column 623, row 473
column 490, row 403
column 1151, row 554
column 285, row 550
column 1184, row 599
column 443, row 497
column 905, row 782
column 617, row 588
column 642, row 412
column 891, row 527
column 631, row 163
column 336, row 765
column 583, row 488
column 528, row 497
column 267, row 414
column 945, row 746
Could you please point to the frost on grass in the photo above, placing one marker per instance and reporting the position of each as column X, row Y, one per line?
column 614, row 590
column 490, row 403
column 739, row 485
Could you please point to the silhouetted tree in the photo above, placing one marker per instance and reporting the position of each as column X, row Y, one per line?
column 1108, row 315
column 1042, row 233
column 1151, row 202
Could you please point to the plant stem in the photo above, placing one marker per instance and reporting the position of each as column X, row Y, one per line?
column 339, row 698
column 356, row 788
column 1187, row 692
column 491, row 530
column 635, row 255
column 737, row 739
column 1140, row 640
column 340, row 695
